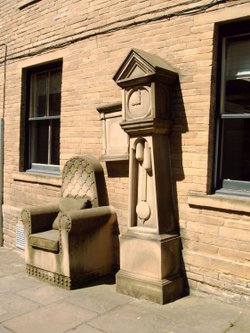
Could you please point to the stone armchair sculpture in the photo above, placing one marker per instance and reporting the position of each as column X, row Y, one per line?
column 72, row 243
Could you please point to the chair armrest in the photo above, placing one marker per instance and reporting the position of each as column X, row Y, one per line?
column 78, row 221
column 37, row 219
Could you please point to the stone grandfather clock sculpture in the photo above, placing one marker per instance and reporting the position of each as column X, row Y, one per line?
column 150, row 250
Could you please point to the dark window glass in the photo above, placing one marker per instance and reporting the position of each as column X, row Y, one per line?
column 39, row 142
column 55, row 141
column 55, row 93
column 237, row 77
column 236, row 149
column 38, row 107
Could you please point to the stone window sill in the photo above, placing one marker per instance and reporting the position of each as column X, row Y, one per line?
column 27, row 177
column 219, row 201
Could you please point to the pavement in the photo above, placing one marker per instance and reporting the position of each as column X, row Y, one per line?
column 28, row 305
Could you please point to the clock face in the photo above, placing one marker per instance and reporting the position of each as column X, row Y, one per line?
column 138, row 103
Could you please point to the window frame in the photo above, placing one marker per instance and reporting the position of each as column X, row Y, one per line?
column 235, row 30
column 30, row 165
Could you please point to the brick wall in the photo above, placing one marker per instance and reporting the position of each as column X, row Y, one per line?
column 215, row 241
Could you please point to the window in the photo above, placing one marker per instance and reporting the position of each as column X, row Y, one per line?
column 43, row 118
column 233, row 118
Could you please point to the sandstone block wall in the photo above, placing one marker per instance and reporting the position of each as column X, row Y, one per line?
column 93, row 38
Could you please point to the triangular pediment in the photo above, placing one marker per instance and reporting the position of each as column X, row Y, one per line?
column 139, row 64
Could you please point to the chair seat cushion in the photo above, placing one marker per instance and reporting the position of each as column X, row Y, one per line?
column 47, row 240
column 68, row 204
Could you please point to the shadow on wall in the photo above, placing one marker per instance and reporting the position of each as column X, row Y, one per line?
column 180, row 126
column 118, row 169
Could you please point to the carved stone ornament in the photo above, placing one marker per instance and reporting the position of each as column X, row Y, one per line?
column 141, row 67
column 70, row 243
column 114, row 139
column 138, row 102
column 148, row 85
column 142, row 75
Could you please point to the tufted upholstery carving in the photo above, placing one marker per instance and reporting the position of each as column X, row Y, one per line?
column 79, row 180
column 82, row 176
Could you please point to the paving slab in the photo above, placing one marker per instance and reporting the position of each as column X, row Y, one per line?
column 100, row 299
column 189, row 314
column 242, row 324
column 16, row 282
column 11, row 262
column 12, row 305
column 198, row 315
column 44, row 294
column 55, row 318
column 85, row 328
column 4, row 330
column 137, row 316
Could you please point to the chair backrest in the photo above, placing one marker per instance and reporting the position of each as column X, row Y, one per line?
column 83, row 176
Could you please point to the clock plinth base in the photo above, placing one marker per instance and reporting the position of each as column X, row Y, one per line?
column 151, row 267
column 159, row 291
